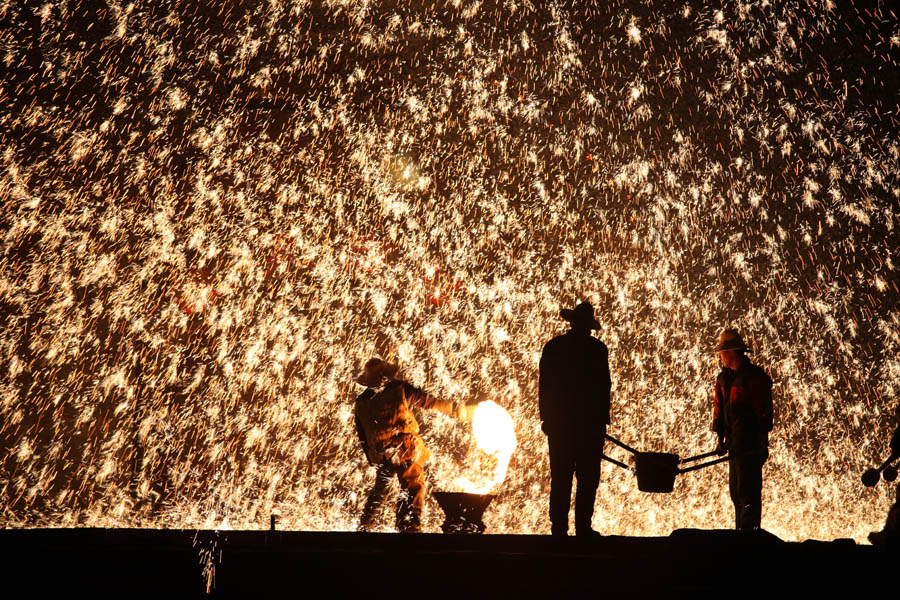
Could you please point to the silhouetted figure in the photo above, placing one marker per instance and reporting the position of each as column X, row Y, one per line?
column 890, row 535
column 389, row 434
column 574, row 405
column 742, row 421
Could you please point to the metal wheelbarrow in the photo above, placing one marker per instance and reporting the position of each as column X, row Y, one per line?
column 656, row 471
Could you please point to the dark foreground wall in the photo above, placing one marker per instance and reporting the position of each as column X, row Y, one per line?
column 177, row 563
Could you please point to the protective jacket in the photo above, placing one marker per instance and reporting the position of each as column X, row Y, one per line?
column 743, row 408
column 386, row 426
column 574, row 385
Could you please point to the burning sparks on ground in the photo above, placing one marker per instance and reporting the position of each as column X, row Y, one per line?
column 215, row 212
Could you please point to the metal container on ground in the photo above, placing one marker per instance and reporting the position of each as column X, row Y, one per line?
column 463, row 511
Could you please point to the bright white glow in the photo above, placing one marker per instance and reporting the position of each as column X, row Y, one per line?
column 495, row 438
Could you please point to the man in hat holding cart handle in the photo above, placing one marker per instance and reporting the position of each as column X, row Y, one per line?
column 574, row 407
column 742, row 420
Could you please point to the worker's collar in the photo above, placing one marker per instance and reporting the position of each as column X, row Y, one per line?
column 580, row 331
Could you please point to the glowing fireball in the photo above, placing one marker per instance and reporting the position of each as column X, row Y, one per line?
column 495, row 440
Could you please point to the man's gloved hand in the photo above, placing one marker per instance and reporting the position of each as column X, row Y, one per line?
column 721, row 450
column 465, row 412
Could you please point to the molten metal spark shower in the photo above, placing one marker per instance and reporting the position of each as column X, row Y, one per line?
column 213, row 213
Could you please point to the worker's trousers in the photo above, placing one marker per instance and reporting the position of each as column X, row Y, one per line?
column 412, row 496
column 579, row 458
column 745, row 486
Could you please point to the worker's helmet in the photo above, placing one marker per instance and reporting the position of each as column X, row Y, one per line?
column 730, row 339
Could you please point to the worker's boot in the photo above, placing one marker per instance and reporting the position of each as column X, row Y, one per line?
column 409, row 516
column 369, row 516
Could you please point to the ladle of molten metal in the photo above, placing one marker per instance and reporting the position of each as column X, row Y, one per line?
column 656, row 471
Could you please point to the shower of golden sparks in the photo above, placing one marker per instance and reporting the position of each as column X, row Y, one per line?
column 215, row 212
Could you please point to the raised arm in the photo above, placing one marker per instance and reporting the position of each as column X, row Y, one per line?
column 416, row 397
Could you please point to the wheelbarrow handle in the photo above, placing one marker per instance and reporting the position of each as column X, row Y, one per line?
column 615, row 462
column 699, row 457
column 700, row 466
column 620, row 444
column 885, row 464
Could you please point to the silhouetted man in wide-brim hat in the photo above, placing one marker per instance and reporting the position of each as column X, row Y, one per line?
column 574, row 406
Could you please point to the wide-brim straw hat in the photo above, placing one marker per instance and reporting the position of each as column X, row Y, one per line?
column 730, row 339
column 582, row 315
column 376, row 371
